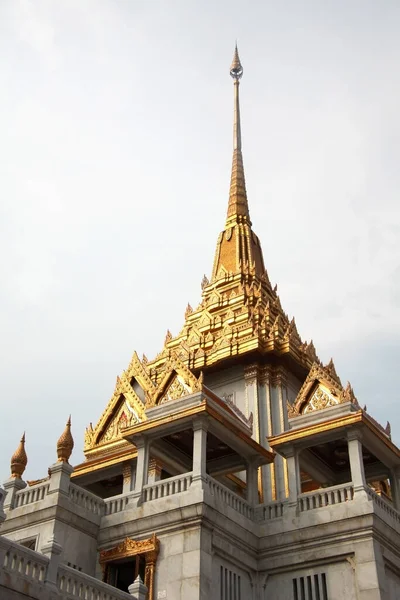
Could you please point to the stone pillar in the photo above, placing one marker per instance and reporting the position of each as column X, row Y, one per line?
column 142, row 465
column 356, row 460
column 200, row 427
column 264, row 400
column 12, row 486
column 394, row 478
column 52, row 550
column 60, row 476
column 138, row 590
column 155, row 469
column 292, row 460
column 127, row 476
column 252, row 482
column 278, row 394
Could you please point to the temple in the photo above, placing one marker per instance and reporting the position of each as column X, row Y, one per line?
column 232, row 466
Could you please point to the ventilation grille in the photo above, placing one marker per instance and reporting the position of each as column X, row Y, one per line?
column 310, row 587
column 230, row 585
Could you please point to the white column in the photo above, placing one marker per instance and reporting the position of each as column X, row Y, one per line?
column 292, row 459
column 252, row 482
column 356, row 460
column 200, row 427
column 142, row 464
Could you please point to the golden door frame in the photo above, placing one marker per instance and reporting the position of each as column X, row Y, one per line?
column 149, row 548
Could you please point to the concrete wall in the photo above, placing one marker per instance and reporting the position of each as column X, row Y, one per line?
column 338, row 578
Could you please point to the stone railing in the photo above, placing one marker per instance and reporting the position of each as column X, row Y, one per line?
column 167, row 487
column 266, row 512
column 219, row 491
column 384, row 505
column 326, row 497
column 26, row 573
column 28, row 564
column 116, row 504
column 86, row 499
column 74, row 584
column 31, row 494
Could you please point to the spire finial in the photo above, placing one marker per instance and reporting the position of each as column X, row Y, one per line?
column 237, row 195
column 236, row 70
column 65, row 443
column 19, row 460
column 238, row 248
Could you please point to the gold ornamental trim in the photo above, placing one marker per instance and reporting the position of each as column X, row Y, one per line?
column 129, row 547
column 359, row 417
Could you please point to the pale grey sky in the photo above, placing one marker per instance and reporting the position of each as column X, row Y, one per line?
column 115, row 120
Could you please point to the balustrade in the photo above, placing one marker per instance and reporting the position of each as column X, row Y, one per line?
column 219, row 491
column 86, row 499
column 115, row 504
column 25, row 562
column 326, row 497
column 74, row 584
column 167, row 487
column 31, row 494
column 267, row 512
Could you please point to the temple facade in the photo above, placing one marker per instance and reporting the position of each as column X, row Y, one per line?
column 232, row 466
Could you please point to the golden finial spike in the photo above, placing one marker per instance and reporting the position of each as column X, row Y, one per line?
column 237, row 195
column 65, row 443
column 19, row 460
column 236, row 69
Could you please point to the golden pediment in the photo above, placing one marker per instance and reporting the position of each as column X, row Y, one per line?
column 125, row 417
column 321, row 389
column 125, row 406
column 177, row 381
column 320, row 399
column 175, row 390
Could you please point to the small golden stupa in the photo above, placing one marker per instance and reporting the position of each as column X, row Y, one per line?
column 65, row 443
column 19, row 460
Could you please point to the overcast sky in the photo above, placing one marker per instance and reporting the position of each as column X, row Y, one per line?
column 116, row 144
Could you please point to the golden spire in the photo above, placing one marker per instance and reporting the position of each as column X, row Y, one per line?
column 238, row 248
column 19, row 460
column 237, row 194
column 65, row 443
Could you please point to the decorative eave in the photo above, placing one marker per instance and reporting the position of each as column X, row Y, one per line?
column 358, row 418
column 204, row 403
column 97, row 461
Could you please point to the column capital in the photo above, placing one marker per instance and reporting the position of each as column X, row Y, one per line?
column 200, row 423
column 264, row 375
column 354, row 434
column 279, row 376
column 251, row 374
column 140, row 440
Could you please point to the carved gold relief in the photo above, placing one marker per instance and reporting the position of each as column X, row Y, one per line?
column 319, row 400
column 130, row 548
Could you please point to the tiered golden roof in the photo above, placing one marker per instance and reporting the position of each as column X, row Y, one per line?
column 19, row 460
column 240, row 314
